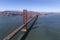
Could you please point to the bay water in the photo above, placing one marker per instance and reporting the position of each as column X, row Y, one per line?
column 45, row 28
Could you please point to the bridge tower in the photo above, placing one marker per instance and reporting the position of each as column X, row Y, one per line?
column 24, row 20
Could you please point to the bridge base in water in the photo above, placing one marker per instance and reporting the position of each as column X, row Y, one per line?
column 24, row 30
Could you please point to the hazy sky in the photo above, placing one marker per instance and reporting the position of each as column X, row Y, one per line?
column 33, row 5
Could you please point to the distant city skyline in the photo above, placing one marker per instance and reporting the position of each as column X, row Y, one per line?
column 31, row 5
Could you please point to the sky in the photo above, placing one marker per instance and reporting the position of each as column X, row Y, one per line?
column 31, row 5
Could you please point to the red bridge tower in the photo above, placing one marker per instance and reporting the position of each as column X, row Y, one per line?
column 24, row 20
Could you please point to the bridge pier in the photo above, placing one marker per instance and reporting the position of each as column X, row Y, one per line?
column 24, row 20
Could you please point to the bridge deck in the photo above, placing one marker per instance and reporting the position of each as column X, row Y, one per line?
column 18, row 29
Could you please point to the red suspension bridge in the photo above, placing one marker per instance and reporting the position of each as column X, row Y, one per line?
column 23, row 27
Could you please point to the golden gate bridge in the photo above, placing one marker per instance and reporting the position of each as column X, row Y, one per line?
column 23, row 27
